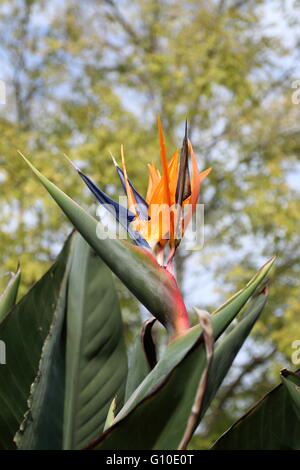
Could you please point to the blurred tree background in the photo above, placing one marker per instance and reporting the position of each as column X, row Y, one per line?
column 82, row 78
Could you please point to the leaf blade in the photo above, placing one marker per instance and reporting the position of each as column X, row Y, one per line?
column 226, row 351
column 274, row 420
column 29, row 321
column 96, row 363
column 42, row 426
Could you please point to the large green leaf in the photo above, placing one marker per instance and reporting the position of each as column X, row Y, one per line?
column 96, row 360
column 24, row 332
column 42, row 427
column 8, row 298
column 164, row 399
column 272, row 424
column 292, row 383
column 228, row 348
column 153, row 285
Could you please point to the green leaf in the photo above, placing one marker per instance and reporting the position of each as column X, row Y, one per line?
column 24, row 332
column 152, row 284
column 9, row 296
column 228, row 348
column 164, row 399
column 271, row 424
column 292, row 383
column 142, row 358
column 42, row 427
column 96, row 360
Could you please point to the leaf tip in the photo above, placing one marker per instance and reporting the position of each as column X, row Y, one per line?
column 113, row 159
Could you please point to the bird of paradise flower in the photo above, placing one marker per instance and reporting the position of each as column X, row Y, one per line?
column 158, row 221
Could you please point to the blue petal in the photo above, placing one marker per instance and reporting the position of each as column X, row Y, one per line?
column 137, row 237
column 142, row 204
column 122, row 214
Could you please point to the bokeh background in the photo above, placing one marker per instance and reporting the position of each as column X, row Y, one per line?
column 85, row 77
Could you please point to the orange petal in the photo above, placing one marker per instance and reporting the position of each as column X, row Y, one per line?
column 204, row 174
column 173, row 175
column 159, row 225
column 154, row 178
column 197, row 177
column 164, row 164
column 162, row 219
column 158, row 193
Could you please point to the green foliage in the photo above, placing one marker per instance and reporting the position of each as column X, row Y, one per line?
column 24, row 332
column 96, row 362
column 84, row 77
column 82, row 369
column 75, row 380
column 165, row 398
column 273, row 423
column 83, row 362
